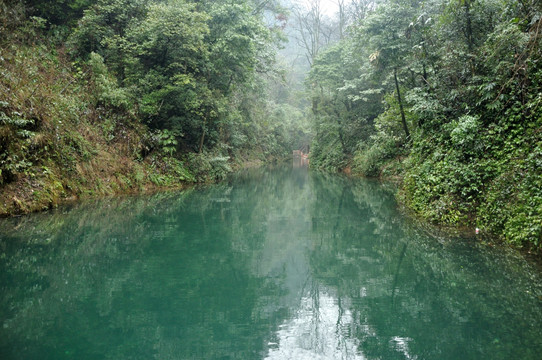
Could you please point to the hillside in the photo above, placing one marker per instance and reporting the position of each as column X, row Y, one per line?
column 444, row 96
column 101, row 97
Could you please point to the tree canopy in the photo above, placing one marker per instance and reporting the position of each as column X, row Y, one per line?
column 443, row 95
column 449, row 94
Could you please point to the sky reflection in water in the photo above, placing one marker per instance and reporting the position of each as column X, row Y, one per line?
column 273, row 264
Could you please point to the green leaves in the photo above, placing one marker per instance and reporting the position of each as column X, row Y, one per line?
column 470, row 72
column 170, row 38
column 168, row 141
column 181, row 60
column 107, row 93
column 465, row 134
column 237, row 44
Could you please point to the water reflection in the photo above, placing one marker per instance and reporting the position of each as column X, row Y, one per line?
column 300, row 159
column 318, row 330
column 276, row 264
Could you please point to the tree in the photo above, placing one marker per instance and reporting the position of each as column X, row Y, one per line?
column 59, row 12
column 167, row 56
column 181, row 61
column 384, row 34
column 103, row 29
column 313, row 33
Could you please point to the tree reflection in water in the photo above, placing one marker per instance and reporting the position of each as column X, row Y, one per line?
column 280, row 263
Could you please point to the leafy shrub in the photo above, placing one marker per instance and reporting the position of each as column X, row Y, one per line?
column 327, row 156
column 167, row 141
column 108, row 93
column 369, row 161
column 442, row 187
column 208, row 166
column 387, row 143
column 512, row 203
column 16, row 140
column 465, row 134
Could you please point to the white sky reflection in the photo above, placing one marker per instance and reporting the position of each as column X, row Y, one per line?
column 316, row 332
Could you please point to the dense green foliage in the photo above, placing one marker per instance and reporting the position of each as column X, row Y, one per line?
column 443, row 95
column 101, row 96
column 189, row 68
column 446, row 94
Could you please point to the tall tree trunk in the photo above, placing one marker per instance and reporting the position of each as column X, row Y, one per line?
column 342, row 17
column 403, row 118
column 468, row 30
column 202, row 135
column 469, row 35
column 341, row 133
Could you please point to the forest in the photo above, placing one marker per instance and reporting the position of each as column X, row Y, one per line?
column 443, row 97
column 104, row 97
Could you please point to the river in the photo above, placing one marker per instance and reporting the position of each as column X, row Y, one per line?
column 275, row 263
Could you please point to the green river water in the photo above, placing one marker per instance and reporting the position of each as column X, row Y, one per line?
column 276, row 263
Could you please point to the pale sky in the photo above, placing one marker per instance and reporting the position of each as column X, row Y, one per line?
column 329, row 7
